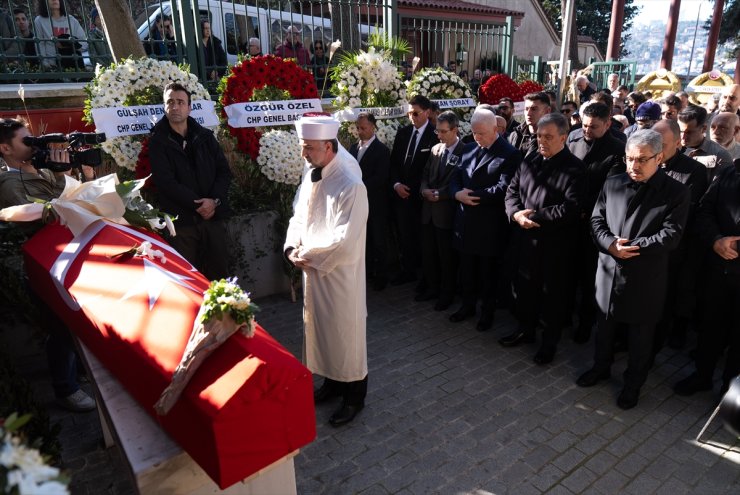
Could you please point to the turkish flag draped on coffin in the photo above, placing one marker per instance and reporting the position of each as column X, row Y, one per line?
column 248, row 405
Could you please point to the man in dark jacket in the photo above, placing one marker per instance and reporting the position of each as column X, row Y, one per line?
column 718, row 225
column 409, row 155
column 437, row 213
column 602, row 155
column 544, row 201
column 638, row 219
column 524, row 136
column 684, row 261
column 374, row 158
column 481, row 230
column 192, row 178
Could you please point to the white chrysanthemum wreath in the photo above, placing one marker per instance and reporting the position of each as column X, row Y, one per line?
column 369, row 79
column 280, row 157
column 135, row 82
column 439, row 84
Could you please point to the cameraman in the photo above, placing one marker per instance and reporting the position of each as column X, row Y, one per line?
column 19, row 179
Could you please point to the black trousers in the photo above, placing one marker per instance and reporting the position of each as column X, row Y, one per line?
column 439, row 260
column 480, row 279
column 408, row 225
column 376, row 251
column 353, row 393
column 639, row 354
column 720, row 326
column 204, row 245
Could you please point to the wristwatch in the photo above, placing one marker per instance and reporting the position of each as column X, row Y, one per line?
column 217, row 202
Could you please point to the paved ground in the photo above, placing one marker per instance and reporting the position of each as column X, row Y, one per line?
column 449, row 411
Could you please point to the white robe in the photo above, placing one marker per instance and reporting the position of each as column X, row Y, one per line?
column 328, row 230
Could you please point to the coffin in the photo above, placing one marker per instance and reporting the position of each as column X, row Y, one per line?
column 248, row 405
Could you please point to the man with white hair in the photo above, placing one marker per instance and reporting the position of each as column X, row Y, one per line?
column 481, row 228
column 612, row 82
column 638, row 219
column 326, row 239
column 725, row 130
column 585, row 88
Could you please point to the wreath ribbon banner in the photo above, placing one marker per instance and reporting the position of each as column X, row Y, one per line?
column 350, row 114
column 704, row 89
column 269, row 113
column 455, row 103
column 139, row 119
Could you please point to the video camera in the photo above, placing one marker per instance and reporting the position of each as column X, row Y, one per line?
column 77, row 157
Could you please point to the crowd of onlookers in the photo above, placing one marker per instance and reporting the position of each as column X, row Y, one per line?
column 475, row 219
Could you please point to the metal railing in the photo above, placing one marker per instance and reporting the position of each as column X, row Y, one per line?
column 532, row 70
column 67, row 49
column 625, row 69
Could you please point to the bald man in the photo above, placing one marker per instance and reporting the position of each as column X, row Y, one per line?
column 729, row 100
column 725, row 130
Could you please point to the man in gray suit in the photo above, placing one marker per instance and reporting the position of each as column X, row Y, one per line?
column 439, row 260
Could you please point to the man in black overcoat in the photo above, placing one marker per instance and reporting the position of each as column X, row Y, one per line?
column 481, row 230
column 718, row 227
column 438, row 212
column 409, row 155
column 602, row 155
column 638, row 219
column 543, row 202
column 374, row 159
column 684, row 261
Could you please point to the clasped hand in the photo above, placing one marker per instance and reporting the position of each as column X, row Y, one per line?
column 522, row 218
column 620, row 249
column 726, row 247
column 466, row 197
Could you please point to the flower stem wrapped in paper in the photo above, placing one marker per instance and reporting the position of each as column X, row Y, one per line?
column 81, row 204
column 226, row 309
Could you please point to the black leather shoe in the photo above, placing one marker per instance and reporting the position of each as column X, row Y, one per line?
column 403, row 278
column 628, row 398
column 344, row 414
column 485, row 323
column 544, row 356
column 592, row 377
column 324, row 393
column 426, row 296
column 516, row 338
column 691, row 385
column 461, row 314
column 442, row 304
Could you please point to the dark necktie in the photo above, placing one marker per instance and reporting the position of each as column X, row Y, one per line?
column 315, row 174
column 479, row 156
column 411, row 150
column 443, row 161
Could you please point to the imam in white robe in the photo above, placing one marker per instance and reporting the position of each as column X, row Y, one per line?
column 328, row 231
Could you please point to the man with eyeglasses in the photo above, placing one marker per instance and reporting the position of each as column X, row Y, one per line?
column 411, row 150
column 439, row 259
column 524, row 136
column 683, row 262
column 692, row 121
column 602, row 156
column 638, row 219
column 481, row 229
column 293, row 47
column 543, row 203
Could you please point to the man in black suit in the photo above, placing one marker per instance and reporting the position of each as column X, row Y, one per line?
column 481, row 230
column 718, row 225
column 544, row 202
column 638, row 219
column 410, row 153
column 524, row 136
column 437, row 214
column 374, row 159
column 602, row 155
column 684, row 261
